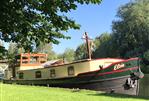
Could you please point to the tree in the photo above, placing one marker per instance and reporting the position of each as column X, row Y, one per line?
column 81, row 52
column 47, row 49
column 103, row 46
column 68, row 55
column 131, row 30
column 31, row 22
column 12, row 50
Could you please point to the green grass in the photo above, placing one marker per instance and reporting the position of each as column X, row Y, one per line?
column 37, row 93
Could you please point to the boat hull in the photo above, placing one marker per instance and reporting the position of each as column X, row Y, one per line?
column 112, row 85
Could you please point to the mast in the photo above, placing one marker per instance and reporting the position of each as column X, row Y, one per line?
column 88, row 45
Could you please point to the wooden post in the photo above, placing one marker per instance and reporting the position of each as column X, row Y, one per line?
column 29, row 57
column 21, row 59
column 88, row 45
column 39, row 58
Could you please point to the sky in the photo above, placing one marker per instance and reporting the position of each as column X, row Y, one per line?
column 94, row 19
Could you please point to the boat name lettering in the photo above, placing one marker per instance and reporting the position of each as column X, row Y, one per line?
column 118, row 66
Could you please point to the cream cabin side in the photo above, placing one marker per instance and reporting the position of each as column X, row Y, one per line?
column 102, row 63
column 57, row 71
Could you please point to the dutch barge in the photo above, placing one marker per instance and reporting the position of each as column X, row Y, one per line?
column 105, row 74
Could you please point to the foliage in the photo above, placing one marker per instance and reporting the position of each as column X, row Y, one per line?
column 29, row 22
column 36, row 93
column 81, row 52
column 12, row 50
column 47, row 49
column 131, row 29
column 68, row 55
column 102, row 46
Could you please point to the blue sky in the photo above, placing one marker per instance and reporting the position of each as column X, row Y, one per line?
column 94, row 19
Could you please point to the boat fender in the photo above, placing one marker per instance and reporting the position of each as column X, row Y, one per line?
column 130, row 83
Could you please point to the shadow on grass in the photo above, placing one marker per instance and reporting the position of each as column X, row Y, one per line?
column 120, row 96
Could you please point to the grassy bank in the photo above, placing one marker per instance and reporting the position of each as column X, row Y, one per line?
column 36, row 93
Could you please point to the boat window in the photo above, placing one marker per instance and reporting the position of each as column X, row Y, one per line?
column 52, row 73
column 70, row 70
column 21, row 75
column 38, row 74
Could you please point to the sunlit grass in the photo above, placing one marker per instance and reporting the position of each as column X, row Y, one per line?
column 37, row 93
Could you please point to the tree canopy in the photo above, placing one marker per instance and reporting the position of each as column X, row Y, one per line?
column 31, row 22
column 102, row 46
column 81, row 52
column 12, row 50
column 131, row 29
column 68, row 55
column 47, row 49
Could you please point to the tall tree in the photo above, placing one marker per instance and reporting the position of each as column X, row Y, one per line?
column 131, row 30
column 103, row 46
column 68, row 55
column 81, row 52
column 34, row 21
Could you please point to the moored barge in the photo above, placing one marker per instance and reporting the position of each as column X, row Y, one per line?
column 105, row 74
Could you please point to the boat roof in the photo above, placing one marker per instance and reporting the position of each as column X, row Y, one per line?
column 78, row 61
